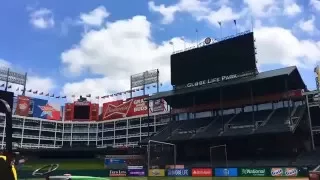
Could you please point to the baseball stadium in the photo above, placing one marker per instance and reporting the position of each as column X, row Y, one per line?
column 223, row 119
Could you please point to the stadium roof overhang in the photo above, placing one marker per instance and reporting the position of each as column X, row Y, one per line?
column 274, row 81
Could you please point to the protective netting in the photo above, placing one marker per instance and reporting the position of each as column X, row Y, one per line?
column 161, row 157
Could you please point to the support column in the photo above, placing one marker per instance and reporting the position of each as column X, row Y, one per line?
column 221, row 108
column 252, row 105
column 310, row 122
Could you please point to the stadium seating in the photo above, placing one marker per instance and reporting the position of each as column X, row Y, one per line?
column 298, row 114
column 190, row 128
column 278, row 122
column 164, row 134
column 265, row 121
column 308, row 158
column 243, row 124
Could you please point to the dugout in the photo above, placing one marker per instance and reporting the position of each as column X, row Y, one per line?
column 236, row 93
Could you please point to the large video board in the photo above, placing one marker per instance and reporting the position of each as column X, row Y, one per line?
column 225, row 58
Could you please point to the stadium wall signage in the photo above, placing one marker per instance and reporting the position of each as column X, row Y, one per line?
column 178, row 172
column 117, row 173
column 135, row 167
column 288, row 172
column 82, row 103
column 254, row 172
column 133, row 107
column 156, row 172
column 136, row 172
column 226, row 172
column 34, row 107
column 201, row 172
column 218, row 79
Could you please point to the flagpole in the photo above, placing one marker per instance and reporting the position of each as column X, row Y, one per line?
column 197, row 37
column 220, row 24
column 235, row 24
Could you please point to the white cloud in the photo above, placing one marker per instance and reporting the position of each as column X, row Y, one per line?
column 167, row 12
column 42, row 18
column 291, row 8
column 120, row 49
column 315, row 4
column 95, row 17
column 276, row 45
column 308, row 25
column 42, row 84
column 223, row 14
column 4, row 63
column 198, row 9
column 262, row 8
column 126, row 47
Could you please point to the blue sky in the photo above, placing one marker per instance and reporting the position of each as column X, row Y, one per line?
column 92, row 47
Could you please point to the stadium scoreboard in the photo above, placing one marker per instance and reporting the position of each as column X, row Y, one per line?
column 218, row 61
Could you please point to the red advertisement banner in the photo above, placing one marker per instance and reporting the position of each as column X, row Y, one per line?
column 94, row 112
column 69, row 111
column 121, row 109
column 201, row 172
column 23, row 104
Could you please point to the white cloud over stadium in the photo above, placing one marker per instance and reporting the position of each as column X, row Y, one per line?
column 124, row 47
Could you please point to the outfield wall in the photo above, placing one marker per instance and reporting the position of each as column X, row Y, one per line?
column 139, row 171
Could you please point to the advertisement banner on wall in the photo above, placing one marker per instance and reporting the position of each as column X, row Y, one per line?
column 120, row 109
column 178, row 172
column 254, row 172
column 114, row 161
column 158, row 105
column 226, row 172
column 289, row 172
column 156, row 172
column 117, row 173
column 50, row 111
column 131, row 107
column 23, row 103
column 201, row 172
column 136, row 172
column 35, row 107
column 135, row 167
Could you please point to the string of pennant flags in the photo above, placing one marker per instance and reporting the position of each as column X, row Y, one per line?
column 51, row 95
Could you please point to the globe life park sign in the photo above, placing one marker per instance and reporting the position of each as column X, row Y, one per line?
column 216, row 80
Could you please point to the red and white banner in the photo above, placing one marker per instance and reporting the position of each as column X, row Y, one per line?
column 23, row 106
column 121, row 109
column 201, row 172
